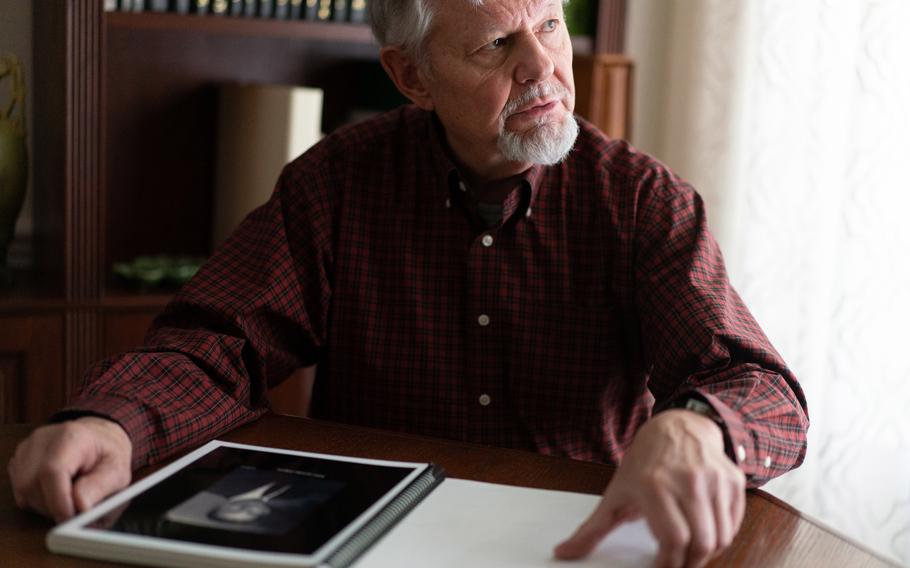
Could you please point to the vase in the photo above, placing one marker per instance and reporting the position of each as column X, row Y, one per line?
column 13, row 160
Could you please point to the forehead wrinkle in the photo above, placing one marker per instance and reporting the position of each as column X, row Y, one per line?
column 492, row 18
column 499, row 18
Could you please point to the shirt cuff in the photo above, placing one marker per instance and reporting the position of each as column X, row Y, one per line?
column 128, row 414
column 739, row 443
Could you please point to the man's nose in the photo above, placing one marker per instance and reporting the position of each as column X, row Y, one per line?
column 535, row 63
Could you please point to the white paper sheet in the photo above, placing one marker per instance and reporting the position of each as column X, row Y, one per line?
column 467, row 523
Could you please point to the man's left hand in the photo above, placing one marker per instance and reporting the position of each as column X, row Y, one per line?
column 677, row 476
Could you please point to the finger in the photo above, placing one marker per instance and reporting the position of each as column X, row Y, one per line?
column 598, row 525
column 24, row 479
column 669, row 526
column 735, row 496
column 738, row 504
column 105, row 478
column 56, row 490
column 723, row 514
column 698, row 508
column 45, row 465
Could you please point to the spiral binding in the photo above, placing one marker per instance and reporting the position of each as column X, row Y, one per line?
column 386, row 518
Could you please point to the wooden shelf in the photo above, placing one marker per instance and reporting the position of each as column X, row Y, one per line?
column 298, row 29
column 23, row 301
column 126, row 299
column 31, row 290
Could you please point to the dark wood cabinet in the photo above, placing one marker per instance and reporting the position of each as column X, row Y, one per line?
column 123, row 143
column 31, row 366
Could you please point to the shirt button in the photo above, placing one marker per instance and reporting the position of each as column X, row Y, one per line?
column 483, row 320
column 487, row 241
column 484, row 400
column 448, row 203
column 462, row 186
column 741, row 453
column 528, row 212
column 767, row 461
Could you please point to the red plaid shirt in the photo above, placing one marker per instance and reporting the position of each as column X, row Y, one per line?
column 599, row 299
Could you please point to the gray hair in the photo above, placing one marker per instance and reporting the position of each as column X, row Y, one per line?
column 406, row 23
column 403, row 23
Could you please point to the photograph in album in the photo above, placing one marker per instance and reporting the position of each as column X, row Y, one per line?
column 250, row 504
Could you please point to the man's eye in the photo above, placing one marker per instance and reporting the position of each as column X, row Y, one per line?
column 496, row 44
column 550, row 25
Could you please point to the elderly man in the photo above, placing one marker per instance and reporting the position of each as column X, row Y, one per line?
column 479, row 265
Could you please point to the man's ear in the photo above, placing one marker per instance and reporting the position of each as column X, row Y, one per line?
column 407, row 76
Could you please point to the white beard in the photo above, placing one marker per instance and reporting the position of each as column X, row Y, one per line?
column 547, row 143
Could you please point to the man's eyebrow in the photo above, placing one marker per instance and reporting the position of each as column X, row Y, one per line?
column 538, row 6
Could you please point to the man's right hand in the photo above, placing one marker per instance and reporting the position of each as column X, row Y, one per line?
column 64, row 469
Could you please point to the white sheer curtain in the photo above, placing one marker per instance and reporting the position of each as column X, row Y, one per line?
column 792, row 119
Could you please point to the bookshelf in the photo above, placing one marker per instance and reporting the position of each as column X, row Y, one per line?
column 123, row 146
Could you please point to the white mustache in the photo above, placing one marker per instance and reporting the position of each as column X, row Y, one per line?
column 535, row 92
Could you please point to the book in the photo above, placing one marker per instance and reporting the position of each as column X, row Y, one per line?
column 219, row 7
column 236, row 8
column 249, row 8
column 230, row 504
column 266, row 8
column 157, row 5
column 260, row 129
column 340, row 11
column 202, row 7
column 296, row 12
column 358, row 11
column 311, row 10
column 282, row 10
column 324, row 12
column 182, row 6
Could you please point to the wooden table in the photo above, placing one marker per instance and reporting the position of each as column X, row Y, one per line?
column 773, row 533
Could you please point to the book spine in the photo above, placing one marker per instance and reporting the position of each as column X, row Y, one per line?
column 296, row 11
column 182, row 6
column 266, row 8
column 138, row 5
column 202, row 7
column 387, row 518
column 157, row 5
column 311, row 9
column 249, row 8
column 219, row 7
column 282, row 9
column 324, row 13
column 358, row 13
column 340, row 11
column 236, row 8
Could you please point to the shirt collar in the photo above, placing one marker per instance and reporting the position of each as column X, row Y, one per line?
column 519, row 201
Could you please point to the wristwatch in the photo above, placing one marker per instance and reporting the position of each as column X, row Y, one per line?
column 699, row 406
column 703, row 408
